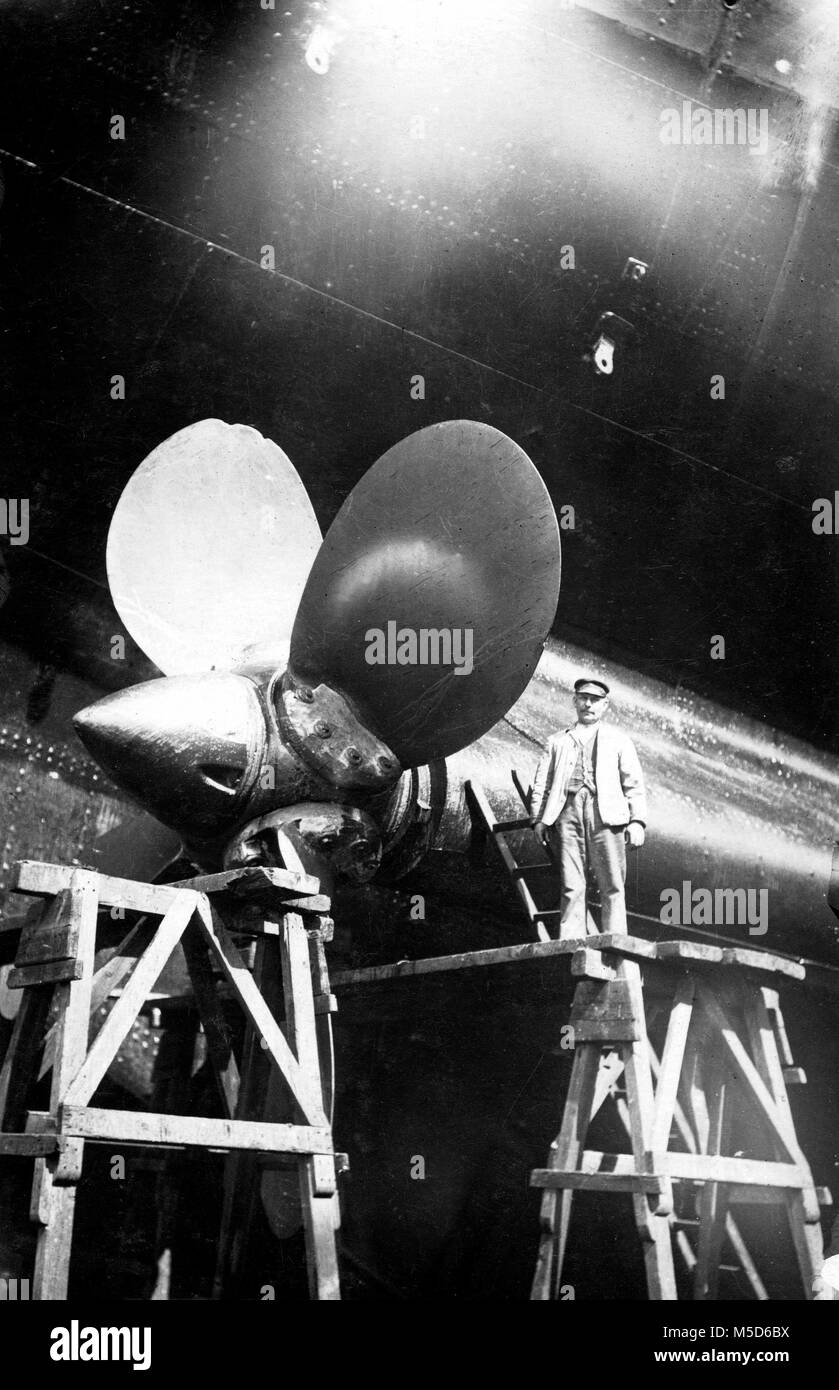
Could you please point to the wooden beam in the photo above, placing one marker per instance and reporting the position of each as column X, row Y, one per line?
column 106, row 980
column 191, row 1131
column 258, row 1012
column 45, row 880
column 49, row 973
column 55, row 1178
column 118, row 1024
column 563, row 1178
column 299, row 1007
column 748, row 1172
column 467, row 960
column 251, row 881
column 751, row 959
column 29, row 1145
column 211, row 1012
column 671, row 1064
column 754, row 1088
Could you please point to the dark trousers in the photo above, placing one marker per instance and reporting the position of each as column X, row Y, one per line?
column 585, row 840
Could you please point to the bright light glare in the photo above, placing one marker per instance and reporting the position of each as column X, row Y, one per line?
column 415, row 21
column 830, row 1271
column 319, row 49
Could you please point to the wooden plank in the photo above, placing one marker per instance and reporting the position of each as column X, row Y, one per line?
column 605, row 1012
column 253, row 881
column 564, row 1153
column 73, row 999
column 713, row 1203
column 467, row 960
column 325, row 1004
column 608, row 1030
column 691, row 1086
column 242, row 1184
column 53, row 1204
column 49, row 933
column 39, row 879
column 49, row 973
column 258, row 1011
column 191, row 1131
column 803, row 1212
column 755, row 1090
column 118, row 1024
column 686, row 1134
column 772, row 1003
column 750, row 959
column 747, row 1172
column 605, row 1000
column 634, row 947
column 653, row 1224
column 211, row 1012
column 741, row 1250
column 319, row 1219
column 57, row 1205
column 763, row 1042
column 670, row 1069
column 299, row 1005
column 563, row 1178
column 29, row 1145
column 106, row 979
column 591, row 965
column 694, row 952
column 771, row 1196
column 318, row 1197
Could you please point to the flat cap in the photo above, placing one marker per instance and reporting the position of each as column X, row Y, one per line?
column 585, row 686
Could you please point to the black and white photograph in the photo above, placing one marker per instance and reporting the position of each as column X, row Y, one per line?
column 419, row 675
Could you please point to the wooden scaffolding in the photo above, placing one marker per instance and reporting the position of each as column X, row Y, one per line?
column 210, row 917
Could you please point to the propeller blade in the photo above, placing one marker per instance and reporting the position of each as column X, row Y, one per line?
column 209, row 548
column 433, row 592
column 139, row 847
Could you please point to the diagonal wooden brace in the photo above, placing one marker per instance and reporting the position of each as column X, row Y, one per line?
column 308, row 1098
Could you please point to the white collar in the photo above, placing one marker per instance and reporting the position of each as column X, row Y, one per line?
column 582, row 735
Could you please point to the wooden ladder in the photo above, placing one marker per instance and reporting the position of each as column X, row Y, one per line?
column 55, row 967
column 725, row 1057
column 498, row 832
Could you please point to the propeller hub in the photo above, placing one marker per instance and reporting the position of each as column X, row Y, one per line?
column 324, row 839
column 320, row 726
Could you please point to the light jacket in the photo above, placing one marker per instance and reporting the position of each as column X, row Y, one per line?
column 617, row 776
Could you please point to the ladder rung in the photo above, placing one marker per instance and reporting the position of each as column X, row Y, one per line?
column 530, row 868
column 502, row 827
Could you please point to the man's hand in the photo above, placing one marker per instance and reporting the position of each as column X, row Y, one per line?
column 635, row 834
column 542, row 832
